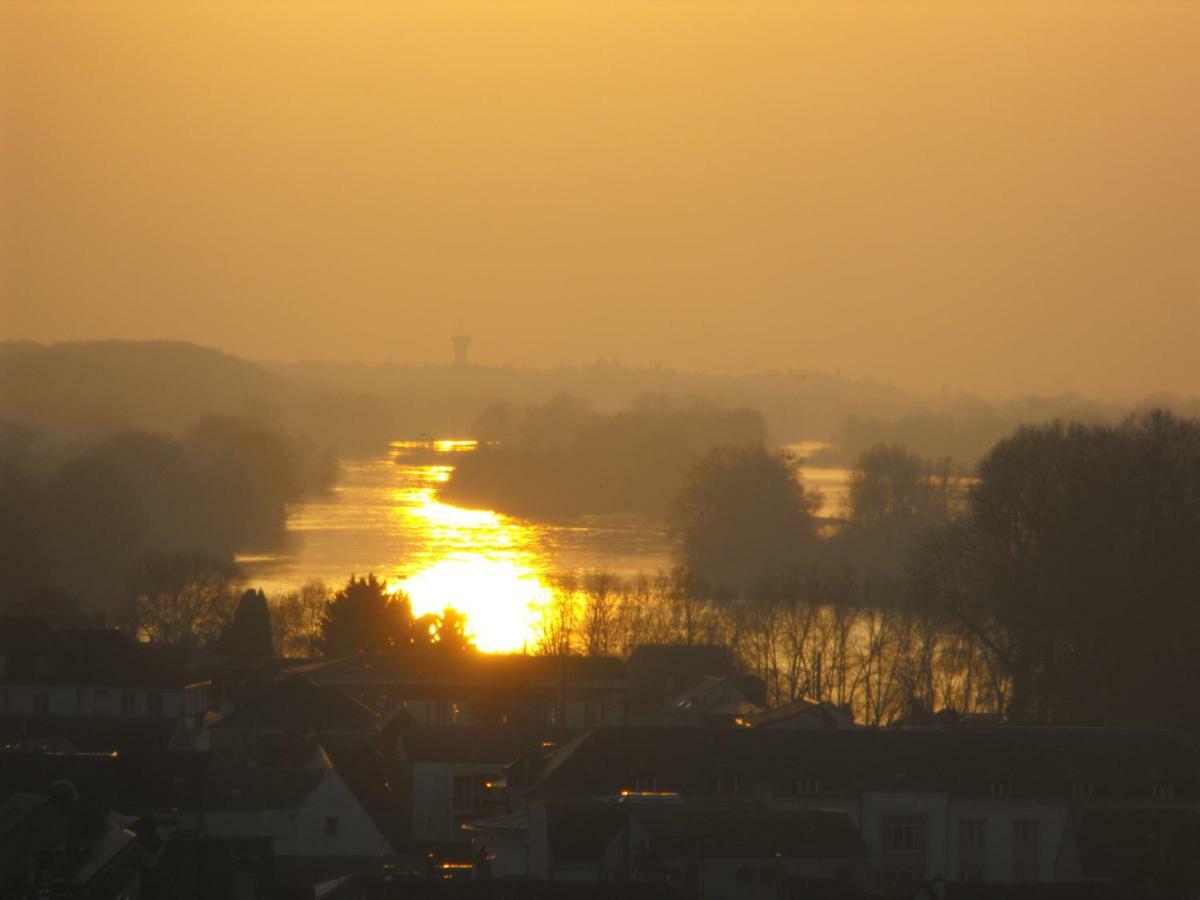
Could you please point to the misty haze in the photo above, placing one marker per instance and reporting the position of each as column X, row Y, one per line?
column 709, row 449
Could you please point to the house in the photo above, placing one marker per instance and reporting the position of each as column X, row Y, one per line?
column 963, row 803
column 1151, row 848
column 290, row 708
column 803, row 713
column 659, row 672
column 737, row 851
column 439, row 688
column 316, row 824
column 50, row 845
column 452, row 772
column 88, row 673
column 712, row 701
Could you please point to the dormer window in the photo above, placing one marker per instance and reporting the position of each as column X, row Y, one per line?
column 1082, row 790
column 1001, row 789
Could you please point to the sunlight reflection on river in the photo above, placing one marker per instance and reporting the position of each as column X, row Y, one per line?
column 385, row 517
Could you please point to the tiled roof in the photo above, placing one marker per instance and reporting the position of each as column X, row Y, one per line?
column 500, row 745
column 236, row 788
column 481, row 669
column 294, row 704
column 100, row 657
column 963, row 760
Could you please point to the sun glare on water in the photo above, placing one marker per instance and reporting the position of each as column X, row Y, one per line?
column 479, row 562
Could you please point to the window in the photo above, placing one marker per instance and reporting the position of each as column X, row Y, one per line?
column 3, row 666
column 903, row 834
column 1082, row 790
column 41, row 665
column 971, row 872
column 100, row 703
column 4, row 703
column 1163, row 792
column 1025, row 850
column 154, row 703
column 808, row 787
column 727, row 784
column 331, row 826
column 41, row 704
column 972, row 834
column 128, row 703
column 644, row 783
column 904, row 847
column 745, row 876
column 1001, row 788
column 1025, row 833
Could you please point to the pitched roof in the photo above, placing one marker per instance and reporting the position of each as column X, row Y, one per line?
column 819, row 711
column 498, row 745
column 101, row 657
column 19, row 807
column 294, row 704
column 714, row 696
column 436, row 667
column 237, row 788
column 961, row 760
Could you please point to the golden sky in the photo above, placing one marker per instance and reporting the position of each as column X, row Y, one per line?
column 993, row 195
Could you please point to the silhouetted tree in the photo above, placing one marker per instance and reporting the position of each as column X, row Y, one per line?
column 182, row 598
column 248, row 635
column 1078, row 563
column 363, row 616
column 895, row 497
column 743, row 515
column 451, row 632
column 296, row 620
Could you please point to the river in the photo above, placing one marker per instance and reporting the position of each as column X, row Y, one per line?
column 384, row 516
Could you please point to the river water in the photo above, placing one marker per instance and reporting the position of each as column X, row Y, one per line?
column 385, row 517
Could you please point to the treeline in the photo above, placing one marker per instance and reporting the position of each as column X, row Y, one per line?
column 563, row 458
column 81, row 389
column 1059, row 582
column 188, row 602
column 802, row 636
column 82, row 522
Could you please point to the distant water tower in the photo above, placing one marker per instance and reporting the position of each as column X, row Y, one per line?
column 461, row 344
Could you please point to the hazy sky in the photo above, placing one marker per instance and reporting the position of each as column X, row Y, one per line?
column 992, row 195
